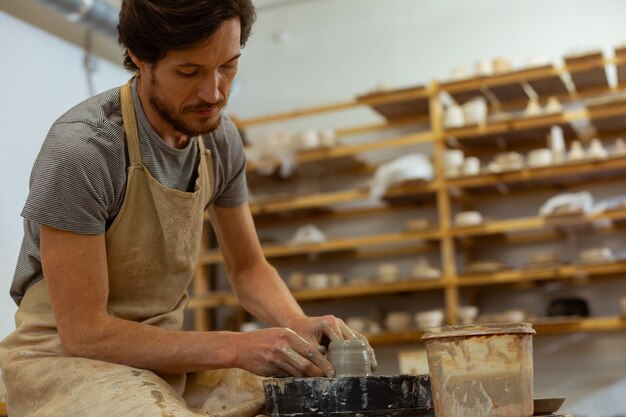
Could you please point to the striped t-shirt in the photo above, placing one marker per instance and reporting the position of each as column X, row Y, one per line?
column 79, row 178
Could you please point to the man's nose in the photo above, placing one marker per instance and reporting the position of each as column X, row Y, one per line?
column 208, row 89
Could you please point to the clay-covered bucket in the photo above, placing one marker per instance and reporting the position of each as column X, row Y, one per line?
column 481, row 370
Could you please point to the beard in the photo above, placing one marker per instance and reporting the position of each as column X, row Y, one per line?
column 169, row 113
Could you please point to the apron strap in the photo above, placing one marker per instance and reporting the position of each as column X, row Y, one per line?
column 130, row 123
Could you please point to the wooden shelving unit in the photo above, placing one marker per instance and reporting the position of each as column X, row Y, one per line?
column 581, row 80
column 594, row 324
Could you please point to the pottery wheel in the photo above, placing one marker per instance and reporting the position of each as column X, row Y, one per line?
column 369, row 396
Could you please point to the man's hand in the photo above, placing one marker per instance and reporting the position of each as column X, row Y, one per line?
column 281, row 352
column 313, row 329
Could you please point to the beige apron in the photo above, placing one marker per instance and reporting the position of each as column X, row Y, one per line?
column 152, row 248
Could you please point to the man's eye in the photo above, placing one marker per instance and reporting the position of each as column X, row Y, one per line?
column 188, row 73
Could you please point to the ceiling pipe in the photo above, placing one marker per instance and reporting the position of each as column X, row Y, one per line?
column 96, row 15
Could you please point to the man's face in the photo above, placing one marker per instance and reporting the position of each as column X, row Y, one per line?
column 189, row 88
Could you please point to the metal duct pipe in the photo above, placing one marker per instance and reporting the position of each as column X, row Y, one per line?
column 97, row 15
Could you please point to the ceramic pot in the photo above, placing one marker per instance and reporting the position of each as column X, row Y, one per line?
column 453, row 117
column 540, row 158
column 471, row 166
column 596, row 150
column 349, row 357
column 429, row 319
column 576, row 152
column 502, row 65
column 532, row 108
column 468, row 218
column 475, row 111
column 554, row 105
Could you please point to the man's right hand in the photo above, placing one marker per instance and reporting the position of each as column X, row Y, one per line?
column 281, row 352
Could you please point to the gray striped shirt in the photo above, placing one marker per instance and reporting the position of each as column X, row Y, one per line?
column 79, row 178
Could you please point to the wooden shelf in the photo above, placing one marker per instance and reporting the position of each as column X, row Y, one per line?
column 288, row 203
column 396, row 104
column 587, row 71
column 530, row 175
column 545, row 81
column 592, row 324
column 271, row 251
column 517, row 125
column 529, row 223
column 342, row 151
column 405, row 285
column 533, row 275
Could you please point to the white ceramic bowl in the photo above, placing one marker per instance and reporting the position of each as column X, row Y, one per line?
column 453, row 117
column 475, row 111
column 468, row 218
column 318, row 281
column 429, row 319
column 594, row 255
column 467, row 314
column 358, row 324
column 540, row 158
column 398, row 321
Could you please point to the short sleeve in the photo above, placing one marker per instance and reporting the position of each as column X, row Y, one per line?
column 235, row 189
column 70, row 185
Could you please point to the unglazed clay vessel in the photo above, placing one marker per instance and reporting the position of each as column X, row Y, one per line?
column 349, row 357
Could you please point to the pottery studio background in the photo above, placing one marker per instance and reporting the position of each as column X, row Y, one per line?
column 309, row 53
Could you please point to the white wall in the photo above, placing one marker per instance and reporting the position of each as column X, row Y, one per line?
column 42, row 77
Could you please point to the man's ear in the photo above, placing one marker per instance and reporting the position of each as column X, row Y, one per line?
column 138, row 62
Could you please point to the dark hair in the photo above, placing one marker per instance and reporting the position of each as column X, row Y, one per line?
column 151, row 28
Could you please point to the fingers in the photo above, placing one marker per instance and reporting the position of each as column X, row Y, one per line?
column 300, row 358
column 370, row 351
column 347, row 332
column 331, row 327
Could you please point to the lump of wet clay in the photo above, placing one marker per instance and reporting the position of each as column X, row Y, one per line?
column 349, row 357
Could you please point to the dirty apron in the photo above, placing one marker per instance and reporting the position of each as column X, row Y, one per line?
column 152, row 248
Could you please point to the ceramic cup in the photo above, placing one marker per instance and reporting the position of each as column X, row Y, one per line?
column 484, row 68
column 358, row 324
column 398, row 321
column 532, row 108
column 540, row 158
column 475, row 111
column 459, row 73
column 453, row 162
column 468, row 218
column 619, row 149
column 307, row 139
column 318, row 281
column 556, row 142
column 388, row 272
column 471, row 166
column 576, row 152
column 349, row 357
column 467, row 314
column 596, row 150
column 429, row 319
column 554, row 105
column 454, row 117
column 328, row 138
column 502, row 65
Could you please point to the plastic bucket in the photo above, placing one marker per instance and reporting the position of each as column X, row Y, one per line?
column 481, row 370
